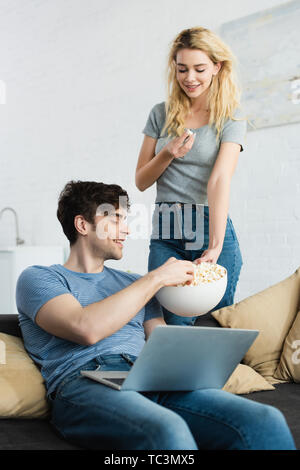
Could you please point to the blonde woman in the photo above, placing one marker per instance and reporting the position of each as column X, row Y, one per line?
column 193, row 171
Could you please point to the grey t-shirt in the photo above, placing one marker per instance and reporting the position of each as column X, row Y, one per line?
column 185, row 179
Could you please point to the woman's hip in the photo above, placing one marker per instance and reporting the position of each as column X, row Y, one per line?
column 185, row 228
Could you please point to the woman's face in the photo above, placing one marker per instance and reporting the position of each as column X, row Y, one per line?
column 194, row 71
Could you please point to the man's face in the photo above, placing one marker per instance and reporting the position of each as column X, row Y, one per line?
column 110, row 233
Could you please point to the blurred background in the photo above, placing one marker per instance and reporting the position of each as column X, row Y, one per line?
column 78, row 80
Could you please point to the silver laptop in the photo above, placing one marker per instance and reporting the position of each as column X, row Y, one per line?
column 183, row 358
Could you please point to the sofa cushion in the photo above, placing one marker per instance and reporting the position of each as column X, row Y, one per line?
column 22, row 389
column 245, row 380
column 31, row 434
column 207, row 320
column 289, row 364
column 272, row 312
column 9, row 323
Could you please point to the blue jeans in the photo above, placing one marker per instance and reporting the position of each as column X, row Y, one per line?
column 94, row 416
column 162, row 248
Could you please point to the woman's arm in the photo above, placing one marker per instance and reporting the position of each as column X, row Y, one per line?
column 151, row 166
column 218, row 194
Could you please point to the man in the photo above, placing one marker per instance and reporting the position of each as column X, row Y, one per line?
column 82, row 315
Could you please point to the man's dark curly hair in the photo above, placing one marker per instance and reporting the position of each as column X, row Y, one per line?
column 83, row 198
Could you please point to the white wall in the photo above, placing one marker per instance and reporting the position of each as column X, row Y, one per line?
column 81, row 77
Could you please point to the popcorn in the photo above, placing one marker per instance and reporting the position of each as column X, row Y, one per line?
column 205, row 273
column 188, row 136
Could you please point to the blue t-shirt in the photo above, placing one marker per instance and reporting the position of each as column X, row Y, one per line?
column 57, row 357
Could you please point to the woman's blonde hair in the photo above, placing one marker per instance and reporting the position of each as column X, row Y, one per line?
column 224, row 92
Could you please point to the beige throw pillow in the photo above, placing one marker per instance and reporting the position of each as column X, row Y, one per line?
column 289, row 364
column 271, row 312
column 22, row 389
column 244, row 379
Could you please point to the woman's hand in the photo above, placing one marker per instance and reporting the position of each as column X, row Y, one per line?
column 177, row 148
column 210, row 255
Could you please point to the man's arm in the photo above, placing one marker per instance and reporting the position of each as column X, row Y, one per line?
column 63, row 316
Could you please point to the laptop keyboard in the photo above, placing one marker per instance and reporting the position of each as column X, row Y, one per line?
column 115, row 381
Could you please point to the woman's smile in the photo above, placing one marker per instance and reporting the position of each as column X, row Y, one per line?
column 192, row 88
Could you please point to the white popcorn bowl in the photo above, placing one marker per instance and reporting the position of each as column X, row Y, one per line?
column 192, row 301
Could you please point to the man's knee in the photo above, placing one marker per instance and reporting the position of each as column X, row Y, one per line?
column 171, row 432
column 268, row 430
column 275, row 421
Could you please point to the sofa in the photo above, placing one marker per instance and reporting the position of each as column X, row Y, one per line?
column 38, row 434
